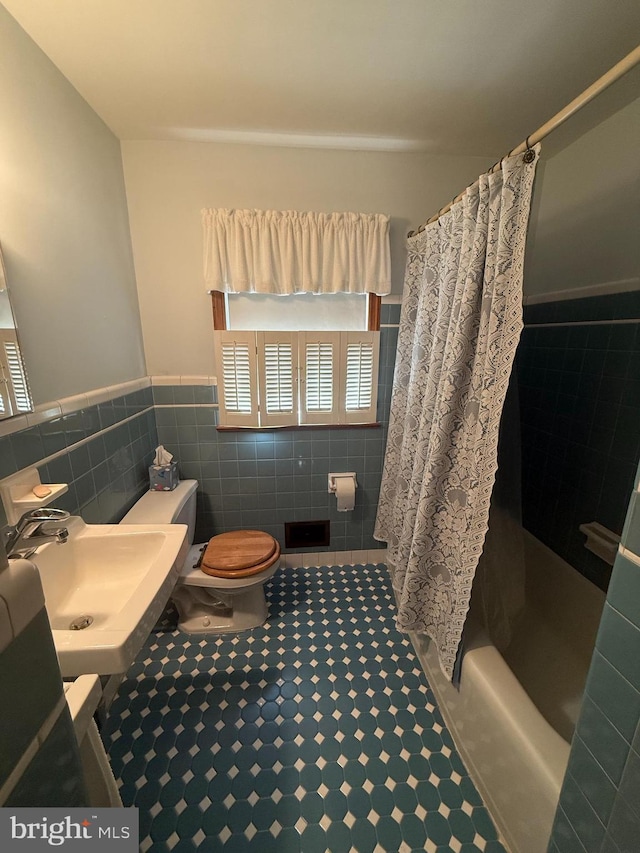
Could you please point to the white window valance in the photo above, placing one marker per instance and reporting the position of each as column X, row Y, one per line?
column 271, row 251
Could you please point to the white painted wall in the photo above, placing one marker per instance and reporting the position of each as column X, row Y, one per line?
column 585, row 221
column 64, row 229
column 168, row 183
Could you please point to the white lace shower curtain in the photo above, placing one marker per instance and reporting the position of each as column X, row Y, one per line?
column 460, row 325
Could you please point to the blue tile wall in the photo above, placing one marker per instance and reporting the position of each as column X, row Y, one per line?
column 263, row 479
column 246, row 479
column 599, row 808
column 103, row 452
column 579, row 387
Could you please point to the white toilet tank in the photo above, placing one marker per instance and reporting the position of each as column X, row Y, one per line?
column 175, row 507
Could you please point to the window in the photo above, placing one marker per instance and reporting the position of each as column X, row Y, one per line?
column 270, row 379
column 281, row 377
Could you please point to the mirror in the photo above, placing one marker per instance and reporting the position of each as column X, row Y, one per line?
column 15, row 397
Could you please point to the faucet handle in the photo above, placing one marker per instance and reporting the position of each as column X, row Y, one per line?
column 42, row 515
column 36, row 518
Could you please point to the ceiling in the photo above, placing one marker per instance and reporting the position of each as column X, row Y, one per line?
column 461, row 76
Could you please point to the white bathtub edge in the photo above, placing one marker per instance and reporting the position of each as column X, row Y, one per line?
column 532, row 753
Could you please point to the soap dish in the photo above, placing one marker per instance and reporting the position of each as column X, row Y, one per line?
column 17, row 494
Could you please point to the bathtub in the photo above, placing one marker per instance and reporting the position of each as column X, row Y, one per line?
column 513, row 717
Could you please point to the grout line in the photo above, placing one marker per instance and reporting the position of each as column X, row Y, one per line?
column 59, row 453
column 608, row 288
column 582, row 323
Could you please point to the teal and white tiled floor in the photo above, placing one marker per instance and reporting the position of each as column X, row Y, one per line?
column 317, row 732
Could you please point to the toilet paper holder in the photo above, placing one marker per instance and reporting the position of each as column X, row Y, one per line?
column 344, row 487
column 334, row 477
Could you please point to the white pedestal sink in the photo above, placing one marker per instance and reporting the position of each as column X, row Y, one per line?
column 118, row 576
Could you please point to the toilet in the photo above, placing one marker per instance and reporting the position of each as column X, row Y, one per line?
column 221, row 584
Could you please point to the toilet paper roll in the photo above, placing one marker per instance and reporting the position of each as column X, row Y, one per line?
column 345, row 493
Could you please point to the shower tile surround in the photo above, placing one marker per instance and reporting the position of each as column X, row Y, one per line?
column 579, row 386
column 599, row 809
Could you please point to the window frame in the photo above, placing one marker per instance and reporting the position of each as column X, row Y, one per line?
column 219, row 311
column 260, row 419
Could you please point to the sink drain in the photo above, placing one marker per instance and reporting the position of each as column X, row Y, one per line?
column 80, row 623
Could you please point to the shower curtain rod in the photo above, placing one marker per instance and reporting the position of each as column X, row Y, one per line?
column 619, row 70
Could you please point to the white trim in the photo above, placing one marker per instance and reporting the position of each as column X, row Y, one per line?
column 605, row 288
column 313, row 560
column 183, row 380
column 295, row 140
column 43, row 413
column 67, row 405
column 184, row 406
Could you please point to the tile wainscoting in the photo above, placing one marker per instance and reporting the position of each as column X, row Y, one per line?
column 101, row 443
column 264, row 478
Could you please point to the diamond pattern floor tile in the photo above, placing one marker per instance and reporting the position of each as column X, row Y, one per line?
column 316, row 732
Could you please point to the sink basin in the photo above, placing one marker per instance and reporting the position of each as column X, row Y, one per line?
column 119, row 576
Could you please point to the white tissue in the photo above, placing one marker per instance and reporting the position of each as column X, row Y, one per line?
column 162, row 457
column 345, row 493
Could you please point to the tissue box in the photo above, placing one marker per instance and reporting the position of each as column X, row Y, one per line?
column 163, row 478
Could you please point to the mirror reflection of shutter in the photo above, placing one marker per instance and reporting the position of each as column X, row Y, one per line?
column 320, row 390
column 4, row 398
column 278, row 360
column 17, row 397
column 359, row 363
column 237, row 378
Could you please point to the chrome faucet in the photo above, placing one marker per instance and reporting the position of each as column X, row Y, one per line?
column 35, row 528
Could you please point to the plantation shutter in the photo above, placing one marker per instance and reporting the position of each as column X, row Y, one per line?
column 320, row 388
column 278, row 360
column 237, row 378
column 17, row 376
column 279, row 378
column 359, row 362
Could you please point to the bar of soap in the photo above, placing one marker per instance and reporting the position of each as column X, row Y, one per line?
column 41, row 491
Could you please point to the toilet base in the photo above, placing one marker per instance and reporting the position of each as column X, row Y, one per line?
column 203, row 611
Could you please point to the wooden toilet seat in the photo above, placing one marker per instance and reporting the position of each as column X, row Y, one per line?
column 239, row 554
